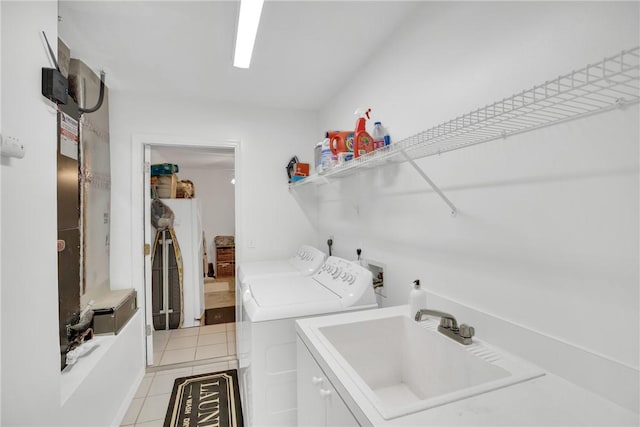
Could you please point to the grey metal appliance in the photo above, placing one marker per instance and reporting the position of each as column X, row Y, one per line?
column 83, row 184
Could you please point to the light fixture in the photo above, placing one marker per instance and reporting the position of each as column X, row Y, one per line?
column 248, row 21
column 233, row 181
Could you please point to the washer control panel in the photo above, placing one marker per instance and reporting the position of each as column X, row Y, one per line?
column 308, row 259
column 350, row 281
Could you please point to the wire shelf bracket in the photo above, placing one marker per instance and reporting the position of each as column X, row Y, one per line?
column 610, row 84
column 435, row 188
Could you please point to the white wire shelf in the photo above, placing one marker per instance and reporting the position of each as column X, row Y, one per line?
column 609, row 84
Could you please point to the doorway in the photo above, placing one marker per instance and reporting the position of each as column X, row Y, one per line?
column 210, row 168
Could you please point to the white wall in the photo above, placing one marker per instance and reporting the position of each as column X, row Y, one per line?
column 268, row 216
column 547, row 234
column 30, row 350
column 216, row 195
column 31, row 379
column 0, row 213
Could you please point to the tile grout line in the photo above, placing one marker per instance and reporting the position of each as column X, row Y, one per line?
column 226, row 361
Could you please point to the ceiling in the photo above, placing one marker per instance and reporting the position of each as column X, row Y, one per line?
column 305, row 51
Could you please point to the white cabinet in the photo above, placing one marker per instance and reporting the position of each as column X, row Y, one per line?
column 319, row 404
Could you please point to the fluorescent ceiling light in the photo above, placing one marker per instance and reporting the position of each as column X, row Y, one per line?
column 250, row 11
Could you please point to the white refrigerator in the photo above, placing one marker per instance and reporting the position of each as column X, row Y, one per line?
column 188, row 229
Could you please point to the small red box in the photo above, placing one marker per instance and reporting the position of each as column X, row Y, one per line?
column 302, row 169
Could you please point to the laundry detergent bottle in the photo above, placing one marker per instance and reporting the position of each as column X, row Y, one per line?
column 417, row 299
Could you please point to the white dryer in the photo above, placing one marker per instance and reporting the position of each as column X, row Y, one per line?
column 306, row 261
column 267, row 350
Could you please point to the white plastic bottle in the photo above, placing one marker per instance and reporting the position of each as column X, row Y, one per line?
column 325, row 157
column 417, row 299
column 317, row 157
column 378, row 135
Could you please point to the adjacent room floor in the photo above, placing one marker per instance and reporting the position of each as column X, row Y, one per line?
column 204, row 342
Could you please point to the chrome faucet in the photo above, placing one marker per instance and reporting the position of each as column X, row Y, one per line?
column 449, row 326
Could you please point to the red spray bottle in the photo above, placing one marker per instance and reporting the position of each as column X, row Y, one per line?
column 362, row 141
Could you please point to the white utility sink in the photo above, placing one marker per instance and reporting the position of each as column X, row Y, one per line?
column 403, row 366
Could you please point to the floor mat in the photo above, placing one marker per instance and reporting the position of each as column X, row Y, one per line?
column 205, row 400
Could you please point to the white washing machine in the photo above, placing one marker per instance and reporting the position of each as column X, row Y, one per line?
column 267, row 353
column 306, row 261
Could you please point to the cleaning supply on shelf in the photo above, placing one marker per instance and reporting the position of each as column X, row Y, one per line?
column 317, row 156
column 387, row 137
column 301, row 171
column 362, row 141
column 417, row 299
column 343, row 158
column 326, row 157
column 378, row 135
column 340, row 142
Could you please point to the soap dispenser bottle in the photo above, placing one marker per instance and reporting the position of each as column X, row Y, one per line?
column 417, row 299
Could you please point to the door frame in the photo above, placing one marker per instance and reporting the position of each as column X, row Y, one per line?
column 140, row 203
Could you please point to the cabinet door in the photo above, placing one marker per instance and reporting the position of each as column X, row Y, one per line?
column 310, row 379
column 336, row 412
column 319, row 404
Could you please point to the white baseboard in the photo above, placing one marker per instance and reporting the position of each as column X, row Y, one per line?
column 117, row 421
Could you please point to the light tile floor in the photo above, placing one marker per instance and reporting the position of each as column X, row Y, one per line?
column 149, row 406
column 208, row 348
column 189, row 344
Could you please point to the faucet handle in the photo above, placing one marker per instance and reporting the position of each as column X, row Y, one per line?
column 446, row 322
column 467, row 331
